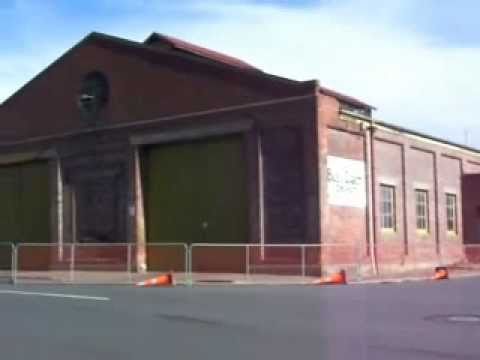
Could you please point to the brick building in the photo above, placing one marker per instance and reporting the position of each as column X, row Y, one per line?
column 165, row 141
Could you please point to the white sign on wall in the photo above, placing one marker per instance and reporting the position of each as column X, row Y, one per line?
column 346, row 182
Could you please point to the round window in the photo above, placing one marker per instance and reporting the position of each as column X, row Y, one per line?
column 94, row 94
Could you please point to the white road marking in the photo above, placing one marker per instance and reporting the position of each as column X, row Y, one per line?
column 55, row 295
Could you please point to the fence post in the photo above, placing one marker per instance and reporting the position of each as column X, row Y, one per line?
column 189, row 250
column 72, row 262
column 247, row 260
column 302, row 248
column 186, row 267
column 14, row 264
column 440, row 260
column 358, row 260
column 129, row 262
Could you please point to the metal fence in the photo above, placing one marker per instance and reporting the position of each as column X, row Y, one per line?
column 418, row 260
column 97, row 263
column 124, row 263
column 270, row 263
column 463, row 260
column 421, row 258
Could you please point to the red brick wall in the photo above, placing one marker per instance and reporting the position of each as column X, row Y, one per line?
column 450, row 181
column 144, row 85
column 147, row 84
column 388, row 171
column 284, row 183
column 420, row 168
column 407, row 162
column 345, row 224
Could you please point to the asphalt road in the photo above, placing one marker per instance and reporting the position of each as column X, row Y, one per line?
column 347, row 322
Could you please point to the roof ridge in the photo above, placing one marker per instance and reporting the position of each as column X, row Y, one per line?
column 197, row 50
column 346, row 98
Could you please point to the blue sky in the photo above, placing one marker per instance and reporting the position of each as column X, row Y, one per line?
column 416, row 60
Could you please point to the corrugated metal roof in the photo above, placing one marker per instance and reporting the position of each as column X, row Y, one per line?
column 193, row 49
column 184, row 47
column 197, row 50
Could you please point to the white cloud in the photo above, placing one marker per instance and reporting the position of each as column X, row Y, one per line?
column 363, row 48
column 413, row 82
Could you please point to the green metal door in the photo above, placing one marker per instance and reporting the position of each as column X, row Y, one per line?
column 24, row 195
column 196, row 191
column 9, row 210
column 35, row 202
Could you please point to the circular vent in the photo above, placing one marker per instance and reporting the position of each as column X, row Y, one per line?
column 94, row 94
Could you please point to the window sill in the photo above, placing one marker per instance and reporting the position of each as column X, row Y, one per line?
column 423, row 233
column 387, row 233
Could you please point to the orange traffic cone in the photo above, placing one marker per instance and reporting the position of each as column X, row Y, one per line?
column 338, row 278
column 441, row 273
column 162, row 280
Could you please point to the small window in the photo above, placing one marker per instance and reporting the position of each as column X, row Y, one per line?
column 452, row 213
column 421, row 204
column 94, row 95
column 387, row 207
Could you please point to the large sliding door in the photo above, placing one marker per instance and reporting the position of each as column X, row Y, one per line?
column 10, row 227
column 25, row 199
column 196, row 191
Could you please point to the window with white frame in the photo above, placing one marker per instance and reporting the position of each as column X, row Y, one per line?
column 451, row 213
column 387, row 207
column 421, row 206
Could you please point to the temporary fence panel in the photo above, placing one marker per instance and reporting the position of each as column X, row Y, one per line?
column 100, row 257
column 95, row 263
column 167, row 257
column 163, row 258
column 288, row 260
column 124, row 263
column 391, row 258
column 454, row 252
column 396, row 260
column 341, row 256
column 40, row 263
column 463, row 262
column 218, row 262
column 101, row 263
column 270, row 263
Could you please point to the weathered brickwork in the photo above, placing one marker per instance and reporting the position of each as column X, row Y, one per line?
column 284, row 182
column 154, row 92
column 290, row 130
column 408, row 162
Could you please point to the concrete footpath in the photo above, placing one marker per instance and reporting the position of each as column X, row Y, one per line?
column 119, row 278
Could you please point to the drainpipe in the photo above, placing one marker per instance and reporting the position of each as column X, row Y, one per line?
column 261, row 194
column 59, row 203
column 370, row 172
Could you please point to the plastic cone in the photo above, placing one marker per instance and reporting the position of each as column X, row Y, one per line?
column 441, row 273
column 162, row 280
column 338, row 278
